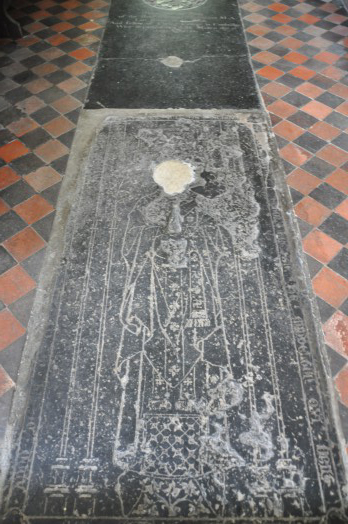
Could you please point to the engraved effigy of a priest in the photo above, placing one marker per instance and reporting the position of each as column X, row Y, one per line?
column 178, row 392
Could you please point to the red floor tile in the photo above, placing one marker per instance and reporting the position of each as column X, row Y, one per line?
column 341, row 382
column 317, row 109
column 82, row 54
column 58, row 126
column 320, row 246
column 295, row 155
column 71, row 85
column 51, row 150
column 327, row 57
column 330, row 286
column 333, row 155
column 3, row 207
column 13, row 150
column 275, row 89
column 309, row 90
column 24, row 244
column 336, row 333
column 343, row 108
column 288, row 130
column 6, row 382
column 30, row 105
column 14, row 284
column 7, row 177
column 43, row 178
column 339, row 180
column 325, row 131
column 302, row 181
column 39, row 85
column 342, row 209
column 282, row 109
column 77, row 69
column 339, row 90
column 10, row 329
column 33, row 209
column 270, row 72
column 66, row 104
column 311, row 211
column 295, row 58
column 22, row 126
column 302, row 72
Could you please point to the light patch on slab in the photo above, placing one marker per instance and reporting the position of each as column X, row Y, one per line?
column 172, row 61
column 175, row 5
column 173, row 176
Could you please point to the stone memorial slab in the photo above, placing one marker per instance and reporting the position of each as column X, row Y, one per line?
column 206, row 40
column 179, row 377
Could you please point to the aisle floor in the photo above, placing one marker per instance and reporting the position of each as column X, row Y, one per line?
column 298, row 53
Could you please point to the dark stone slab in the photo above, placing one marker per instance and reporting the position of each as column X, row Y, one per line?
column 211, row 83
column 179, row 378
column 212, row 68
column 213, row 29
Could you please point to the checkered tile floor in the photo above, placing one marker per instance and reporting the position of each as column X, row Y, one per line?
column 43, row 83
column 298, row 52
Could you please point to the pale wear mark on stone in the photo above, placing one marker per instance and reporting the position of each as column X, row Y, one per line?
column 173, row 176
column 175, row 5
column 172, row 61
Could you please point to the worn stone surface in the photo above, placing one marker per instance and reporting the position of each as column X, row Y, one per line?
column 167, row 53
column 179, row 378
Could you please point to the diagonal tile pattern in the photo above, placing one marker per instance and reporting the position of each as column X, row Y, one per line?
column 43, row 82
column 301, row 67
column 298, row 53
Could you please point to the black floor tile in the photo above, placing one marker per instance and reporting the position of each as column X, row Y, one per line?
column 338, row 120
column 304, row 228
column 35, row 138
column 341, row 141
column 310, row 142
column 51, row 94
column 17, row 193
column 44, row 115
column 22, row 307
column 25, row 77
column 337, row 361
column 26, row 164
column 340, row 263
column 325, row 310
column 302, row 119
column 327, row 195
column 290, row 81
column 344, row 307
column 34, row 263
column 296, row 99
column 51, row 194
column 336, row 227
column 10, row 224
column 57, row 77
column 313, row 265
column 295, row 195
column 6, row 260
column 330, row 100
column 322, row 81
column 318, row 167
column 17, row 95
column 44, row 226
